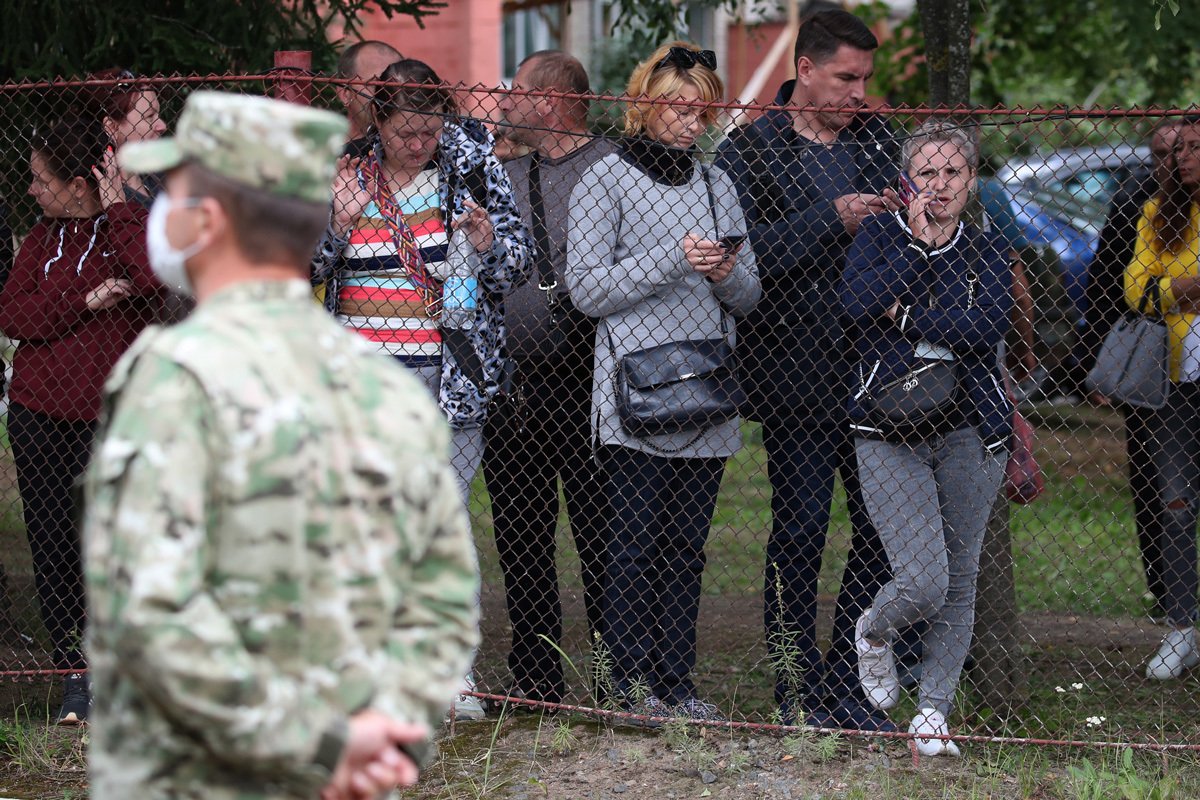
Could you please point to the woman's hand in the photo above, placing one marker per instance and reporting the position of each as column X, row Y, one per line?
column 109, row 181
column 109, row 293
column 478, row 226
column 892, row 311
column 709, row 258
column 919, row 223
column 350, row 199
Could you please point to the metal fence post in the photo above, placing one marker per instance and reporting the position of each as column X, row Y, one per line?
column 293, row 83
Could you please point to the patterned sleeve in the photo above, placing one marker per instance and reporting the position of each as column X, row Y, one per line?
column 468, row 148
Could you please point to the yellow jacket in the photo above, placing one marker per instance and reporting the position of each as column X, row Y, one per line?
column 1150, row 260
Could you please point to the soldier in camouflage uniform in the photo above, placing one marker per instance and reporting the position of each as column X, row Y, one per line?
column 280, row 580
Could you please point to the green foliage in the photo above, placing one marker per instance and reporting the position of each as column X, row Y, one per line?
column 1055, row 53
column 65, row 38
column 1123, row 781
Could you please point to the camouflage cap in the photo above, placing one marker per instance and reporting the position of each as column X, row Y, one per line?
column 281, row 148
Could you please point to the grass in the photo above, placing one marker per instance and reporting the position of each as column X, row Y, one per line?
column 1074, row 547
column 1075, row 555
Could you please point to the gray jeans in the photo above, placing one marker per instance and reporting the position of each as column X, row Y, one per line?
column 930, row 502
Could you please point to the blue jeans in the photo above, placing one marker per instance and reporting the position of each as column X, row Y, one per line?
column 661, row 511
column 804, row 454
column 1176, row 429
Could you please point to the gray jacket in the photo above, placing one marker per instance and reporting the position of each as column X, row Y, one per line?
column 625, row 265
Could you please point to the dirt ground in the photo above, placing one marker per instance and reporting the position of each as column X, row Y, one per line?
column 535, row 756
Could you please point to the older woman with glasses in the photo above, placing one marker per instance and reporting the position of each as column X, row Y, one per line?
column 653, row 252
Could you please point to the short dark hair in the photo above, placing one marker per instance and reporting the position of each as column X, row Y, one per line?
column 72, row 147
column 268, row 228
column 424, row 92
column 556, row 70
column 347, row 65
column 821, row 34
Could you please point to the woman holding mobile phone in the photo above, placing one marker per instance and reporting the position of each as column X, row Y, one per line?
column 930, row 298
column 645, row 256
column 425, row 240
column 80, row 292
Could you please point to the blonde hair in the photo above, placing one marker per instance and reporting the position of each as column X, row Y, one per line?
column 653, row 80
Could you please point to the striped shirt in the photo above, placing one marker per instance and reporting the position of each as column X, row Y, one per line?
column 376, row 296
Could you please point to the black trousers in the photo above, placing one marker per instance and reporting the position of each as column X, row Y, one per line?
column 1143, row 485
column 51, row 456
column 804, row 454
column 530, row 447
column 662, row 510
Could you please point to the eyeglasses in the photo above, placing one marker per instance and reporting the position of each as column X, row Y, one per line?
column 684, row 58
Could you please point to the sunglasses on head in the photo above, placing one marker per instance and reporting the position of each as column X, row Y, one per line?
column 684, row 58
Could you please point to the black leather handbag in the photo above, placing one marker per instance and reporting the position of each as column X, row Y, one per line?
column 923, row 395
column 677, row 387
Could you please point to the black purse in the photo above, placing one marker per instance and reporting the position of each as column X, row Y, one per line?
column 923, row 395
column 926, row 393
column 679, row 386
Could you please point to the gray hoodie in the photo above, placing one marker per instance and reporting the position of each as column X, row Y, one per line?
column 625, row 266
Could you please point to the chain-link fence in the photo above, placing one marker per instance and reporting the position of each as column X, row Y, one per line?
column 738, row 429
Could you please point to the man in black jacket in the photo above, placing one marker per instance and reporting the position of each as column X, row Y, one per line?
column 1106, row 304
column 808, row 176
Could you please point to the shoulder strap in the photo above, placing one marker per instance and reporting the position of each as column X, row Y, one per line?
column 712, row 201
column 1151, row 301
column 541, row 234
column 765, row 190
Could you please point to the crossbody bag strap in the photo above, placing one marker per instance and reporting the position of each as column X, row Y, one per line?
column 547, row 280
column 712, row 209
column 1151, row 298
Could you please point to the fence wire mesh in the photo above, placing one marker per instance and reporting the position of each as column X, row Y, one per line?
column 716, row 482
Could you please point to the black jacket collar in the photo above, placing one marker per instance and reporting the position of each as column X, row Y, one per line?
column 663, row 164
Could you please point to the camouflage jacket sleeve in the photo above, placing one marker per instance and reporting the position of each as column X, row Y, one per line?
column 150, row 611
column 433, row 638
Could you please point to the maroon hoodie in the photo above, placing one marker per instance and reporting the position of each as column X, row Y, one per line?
column 66, row 351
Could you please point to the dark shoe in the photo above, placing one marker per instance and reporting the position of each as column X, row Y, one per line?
column 694, row 708
column 853, row 715
column 77, row 700
column 655, row 711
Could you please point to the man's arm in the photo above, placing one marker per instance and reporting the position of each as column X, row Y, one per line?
column 786, row 238
column 150, row 608
column 793, row 239
column 433, row 636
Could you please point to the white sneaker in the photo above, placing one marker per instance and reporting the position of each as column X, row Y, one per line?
column 1177, row 653
column 930, row 721
column 467, row 707
column 876, row 670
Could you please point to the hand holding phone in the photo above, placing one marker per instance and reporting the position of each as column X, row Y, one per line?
column 908, row 190
column 731, row 243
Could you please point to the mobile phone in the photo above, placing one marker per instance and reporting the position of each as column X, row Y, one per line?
column 731, row 242
column 908, row 190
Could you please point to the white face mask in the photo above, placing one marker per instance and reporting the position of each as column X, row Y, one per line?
column 168, row 262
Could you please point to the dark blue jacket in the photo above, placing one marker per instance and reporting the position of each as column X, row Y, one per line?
column 791, row 348
column 958, row 297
